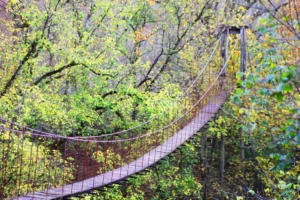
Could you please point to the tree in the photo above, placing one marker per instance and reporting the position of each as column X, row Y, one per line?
column 94, row 67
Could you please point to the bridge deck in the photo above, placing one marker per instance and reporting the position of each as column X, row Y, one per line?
column 136, row 166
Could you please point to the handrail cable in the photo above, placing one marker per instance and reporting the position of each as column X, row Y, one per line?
column 135, row 127
column 134, row 138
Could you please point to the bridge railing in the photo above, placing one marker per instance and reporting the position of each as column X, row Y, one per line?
column 32, row 160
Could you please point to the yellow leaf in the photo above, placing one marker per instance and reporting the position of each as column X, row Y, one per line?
column 13, row 1
column 241, row 111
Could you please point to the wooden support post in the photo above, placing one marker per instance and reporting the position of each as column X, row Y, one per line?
column 242, row 151
column 224, row 48
column 222, row 158
column 222, row 153
column 225, row 43
column 243, row 66
column 224, row 54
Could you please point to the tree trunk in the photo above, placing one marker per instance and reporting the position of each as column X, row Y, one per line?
column 222, row 158
column 242, row 147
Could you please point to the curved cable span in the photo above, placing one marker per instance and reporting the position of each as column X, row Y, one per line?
column 39, row 133
column 174, row 121
column 42, row 133
column 89, row 139
column 168, row 108
column 92, row 138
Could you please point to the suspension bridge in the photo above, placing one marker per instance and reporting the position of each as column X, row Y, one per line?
column 77, row 165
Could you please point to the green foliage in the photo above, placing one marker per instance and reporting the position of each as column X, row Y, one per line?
column 88, row 68
column 172, row 179
column 268, row 103
column 29, row 165
column 95, row 67
column 108, row 157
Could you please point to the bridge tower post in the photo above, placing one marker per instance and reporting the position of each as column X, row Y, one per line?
column 243, row 66
column 224, row 48
column 226, row 31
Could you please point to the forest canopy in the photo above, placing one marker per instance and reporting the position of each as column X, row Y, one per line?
column 91, row 67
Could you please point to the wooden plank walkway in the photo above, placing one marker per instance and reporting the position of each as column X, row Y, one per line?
column 136, row 166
